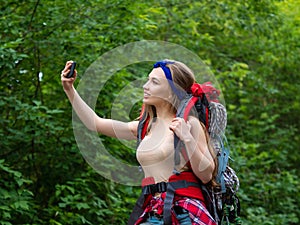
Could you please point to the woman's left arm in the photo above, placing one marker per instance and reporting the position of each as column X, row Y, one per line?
column 194, row 138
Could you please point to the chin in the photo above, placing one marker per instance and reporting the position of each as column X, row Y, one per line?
column 148, row 101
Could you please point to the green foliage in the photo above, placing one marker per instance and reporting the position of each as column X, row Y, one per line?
column 251, row 46
column 16, row 199
column 76, row 203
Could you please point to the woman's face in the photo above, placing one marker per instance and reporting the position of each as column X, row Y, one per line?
column 157, row 88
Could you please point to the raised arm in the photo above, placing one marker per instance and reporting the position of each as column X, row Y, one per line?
column 108, row 127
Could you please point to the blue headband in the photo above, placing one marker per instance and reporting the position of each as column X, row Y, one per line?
column 163, row 64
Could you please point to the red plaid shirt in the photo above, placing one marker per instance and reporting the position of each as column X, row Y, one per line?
column 190, row 198
column 197, row 210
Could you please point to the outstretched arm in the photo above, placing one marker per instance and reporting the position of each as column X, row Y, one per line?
column 91, row 120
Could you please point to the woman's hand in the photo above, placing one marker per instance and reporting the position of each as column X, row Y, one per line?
column 67, row 83
column 196, row 144
column 181, row 128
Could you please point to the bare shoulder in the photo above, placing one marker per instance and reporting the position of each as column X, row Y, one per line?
column 194, row 122
column 196, row 126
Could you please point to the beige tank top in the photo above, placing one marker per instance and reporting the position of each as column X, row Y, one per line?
column 156, row 153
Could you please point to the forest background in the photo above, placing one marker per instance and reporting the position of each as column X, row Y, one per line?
column 251, row 46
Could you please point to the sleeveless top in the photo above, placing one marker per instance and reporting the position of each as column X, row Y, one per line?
column 156, row 153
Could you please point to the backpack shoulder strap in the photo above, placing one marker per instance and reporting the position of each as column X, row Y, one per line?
column 187, row 102
column 142, row 126
column 198, row 103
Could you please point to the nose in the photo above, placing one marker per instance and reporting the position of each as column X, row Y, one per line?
column 145, row 86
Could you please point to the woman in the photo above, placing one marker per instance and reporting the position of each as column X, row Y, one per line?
column 166, row 85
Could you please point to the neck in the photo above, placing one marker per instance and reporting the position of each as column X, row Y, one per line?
column 164, row 111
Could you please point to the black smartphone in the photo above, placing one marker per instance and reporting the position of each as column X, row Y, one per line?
column 72, row 68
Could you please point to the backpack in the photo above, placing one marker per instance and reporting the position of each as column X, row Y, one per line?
column 202, row 101
column 221, row 201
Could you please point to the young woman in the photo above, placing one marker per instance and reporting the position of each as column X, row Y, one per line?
column 167, row 83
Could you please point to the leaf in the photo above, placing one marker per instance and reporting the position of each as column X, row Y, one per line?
column 82, row 206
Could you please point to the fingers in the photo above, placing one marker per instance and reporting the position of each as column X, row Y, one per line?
column 178, row 120
column 177, row 123
column 64, row 78
column 181, row 128
column 68, row 64
column 66, row 71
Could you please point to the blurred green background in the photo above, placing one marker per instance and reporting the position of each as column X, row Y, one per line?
column 251, row 46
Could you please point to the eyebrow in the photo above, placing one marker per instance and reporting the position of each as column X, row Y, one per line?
column 156, row 79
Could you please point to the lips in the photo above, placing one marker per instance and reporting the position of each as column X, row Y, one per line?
column 146, row 94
